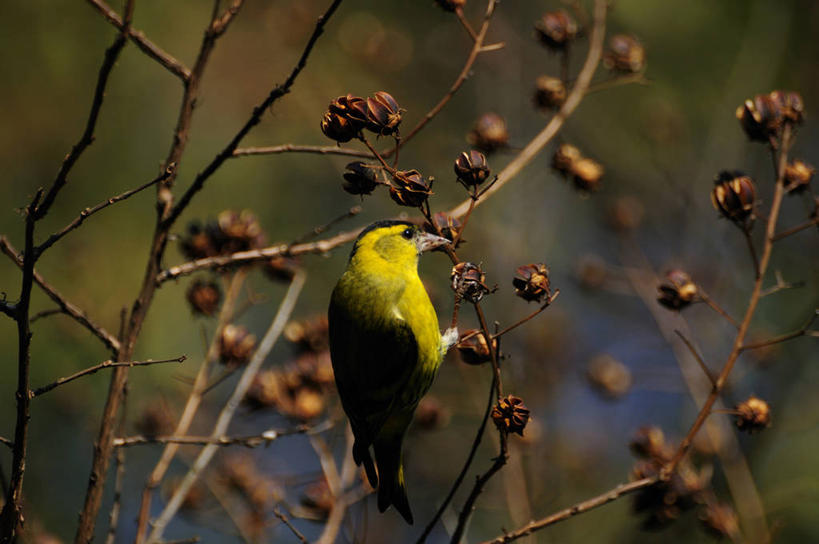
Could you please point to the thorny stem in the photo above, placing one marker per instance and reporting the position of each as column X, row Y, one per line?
column 722, row 378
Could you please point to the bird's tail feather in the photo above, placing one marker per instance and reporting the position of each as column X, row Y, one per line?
column 361, row 454
column 392, row 489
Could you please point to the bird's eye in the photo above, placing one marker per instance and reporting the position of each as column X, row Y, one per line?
column 407, row 234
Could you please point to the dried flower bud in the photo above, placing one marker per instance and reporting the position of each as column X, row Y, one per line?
column 586, row 174
column 450, row 5
column 789, row 105
column 240, row 231
column 204, row 297
column 337, row 127
column 626, row 213
column 510, row 415
column 734, row 196
column 265, row 391
column 564, row 158
column 431, row 414
column 678, row 291
column 665, row 500
column 649, row 443
column 556, row 29
column 471, row 168
column 720, row 520
column 753, row 415
column 281, row 268
column 309, row 334
column 353, row 109
column 200, row 241
column 798, row 175
column 383, row 114
column 236, row 345
column 156, row 419
column 409, row 188
column 625, row 54
column 468, row 281
column 489, row 133
column 550, row 92
column 763, row 116
column 447, row 225
column 608, row 376
column 361, row 178
column 532, row 283
column 474, row 348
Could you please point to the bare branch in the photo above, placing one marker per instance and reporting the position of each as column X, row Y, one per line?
column 716, row 307
column 251, row 441
column 284, row 519
column 67, row 307
column 798, row 228
column 579, row 508
column 803, row 331
column 780, row 285
column 86, row 213
column 9, row 309
column 96, row 368
column 697, row 357
column 6, row 441
column 293, row 148
column 147, row 46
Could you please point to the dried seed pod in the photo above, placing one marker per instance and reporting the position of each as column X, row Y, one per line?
column 664, row 501
column 156, row 419
column 450, row 5
column 353, row 109
column 204, row 297
column 720, row 520
column 625, row 54
column 648, row 442
column 678, row 291
column 239, row 231
column 471, row 168
column 337, row 127
column 236, row 345
column 510, row 415
column 431, row 414
column 626, row 213
column 759, row 117
column 564, row 158
column 310, row 335
column 361, row 178
column 753, row 414
column 265, row 391
column 447, row 225
column 468, row 281
column 200, row 240
column 281, row 268
column 608, row 376
column 734, row 196
column 489, row 133
column 307, row 404
column 473, row 347
column 555, row 29
column 383, row 114
column 532, row 282
column 550, row 92
column 586, row 174
column 798, row 175
column 789, row 105
column 409, row 188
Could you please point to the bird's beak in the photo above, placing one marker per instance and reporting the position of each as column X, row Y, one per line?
column 425, row 241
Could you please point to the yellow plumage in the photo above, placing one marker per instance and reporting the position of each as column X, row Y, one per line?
column 386, row 348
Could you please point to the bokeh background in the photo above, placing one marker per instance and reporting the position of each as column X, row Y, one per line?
column 660, row 143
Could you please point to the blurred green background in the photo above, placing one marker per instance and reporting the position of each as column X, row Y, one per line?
column 661, row 143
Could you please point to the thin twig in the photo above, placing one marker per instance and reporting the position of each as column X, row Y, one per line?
column 96, row 368
column 45, row 313
column 716, row 307
column 517, row 324
column 780, row 285
column 352, row 212
column 226, row 415
column 252, row 441
column 797, row 228
column 284, row 519
column 147, row 46
column 804, row 330
column 293, row 148
column 87, row 212
column 459, row 12
column 574, row 98
column 67, row 307
column 697, row 357
column 579, row 508
column 746, row 231
column 7, row 442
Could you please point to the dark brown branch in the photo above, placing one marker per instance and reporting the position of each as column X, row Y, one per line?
column 716, row 307
column 8, row 443
column 746, row 231
column 803, row 331
column 277, row 92
column 87, row 138
column 579, row 508
column 797, row 228
column 86, row 213
column 528, row 317
column 697, row 357
column 66, row 307
column 246, row 257
column 293, row 148
column 316, row 231
column 96, row 368
column 45, row 313
column 252, row 441
column 9, row 309
column 147, row 46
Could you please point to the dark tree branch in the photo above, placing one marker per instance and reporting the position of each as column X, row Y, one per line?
column 293, row 148
column 252, row 441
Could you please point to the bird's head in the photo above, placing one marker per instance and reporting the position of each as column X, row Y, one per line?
column 396, row 243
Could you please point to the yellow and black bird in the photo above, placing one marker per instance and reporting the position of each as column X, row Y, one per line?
column 386, row 348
